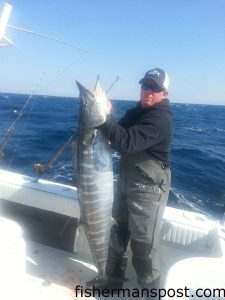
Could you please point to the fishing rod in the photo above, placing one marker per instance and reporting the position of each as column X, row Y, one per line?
column 4, row 18
column 40, row 169
column 47, row 37
column 12, row 127
column 112, row 85
column 4, row 42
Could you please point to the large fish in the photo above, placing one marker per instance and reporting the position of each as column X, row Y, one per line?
column 94, row 173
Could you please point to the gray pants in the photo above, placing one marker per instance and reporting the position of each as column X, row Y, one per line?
column 142, row 194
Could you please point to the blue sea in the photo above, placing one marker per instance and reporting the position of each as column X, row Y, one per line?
column 197, row 153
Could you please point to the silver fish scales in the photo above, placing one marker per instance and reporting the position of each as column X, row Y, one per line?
column 94, row 174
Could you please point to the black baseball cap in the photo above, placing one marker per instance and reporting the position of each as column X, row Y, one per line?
column 159, row 76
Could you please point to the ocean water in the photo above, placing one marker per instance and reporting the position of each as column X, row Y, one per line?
column 197, row 152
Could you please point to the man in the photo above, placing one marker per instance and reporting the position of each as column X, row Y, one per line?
column 142, row 137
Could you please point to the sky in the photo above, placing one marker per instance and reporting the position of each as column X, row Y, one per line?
column 123, row 38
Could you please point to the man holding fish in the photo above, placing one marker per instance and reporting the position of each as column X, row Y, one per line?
column 143, row 138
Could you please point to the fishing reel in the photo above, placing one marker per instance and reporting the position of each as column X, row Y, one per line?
column 40, row 169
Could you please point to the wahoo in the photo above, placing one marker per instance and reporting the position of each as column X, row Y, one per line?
column 94, row 173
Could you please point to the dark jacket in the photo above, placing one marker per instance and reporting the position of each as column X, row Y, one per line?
column 143, row 129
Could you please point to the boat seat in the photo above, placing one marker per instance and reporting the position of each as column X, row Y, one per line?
column 12, row 260
column 179, row 236
column 197, row 273
column 188, row 231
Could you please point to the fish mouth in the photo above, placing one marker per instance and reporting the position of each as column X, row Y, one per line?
column 81, row 88
column 93, row 105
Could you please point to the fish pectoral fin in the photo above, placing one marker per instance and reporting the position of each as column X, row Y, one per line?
column 79, row 237
column 80, row 222
column 113, row 221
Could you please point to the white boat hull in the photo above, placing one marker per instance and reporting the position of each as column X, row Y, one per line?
column 192, row 245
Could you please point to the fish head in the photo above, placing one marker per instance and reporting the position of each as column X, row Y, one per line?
column 93, row 105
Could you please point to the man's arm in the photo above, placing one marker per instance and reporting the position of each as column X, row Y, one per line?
column 134, row 139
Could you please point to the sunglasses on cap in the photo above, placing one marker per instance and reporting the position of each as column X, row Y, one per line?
column 151, row 86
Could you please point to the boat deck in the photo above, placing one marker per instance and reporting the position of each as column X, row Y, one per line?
column 192, row 245
column 53, row 274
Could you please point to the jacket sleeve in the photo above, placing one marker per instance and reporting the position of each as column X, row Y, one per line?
column 137, row 138
column 130, row 115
